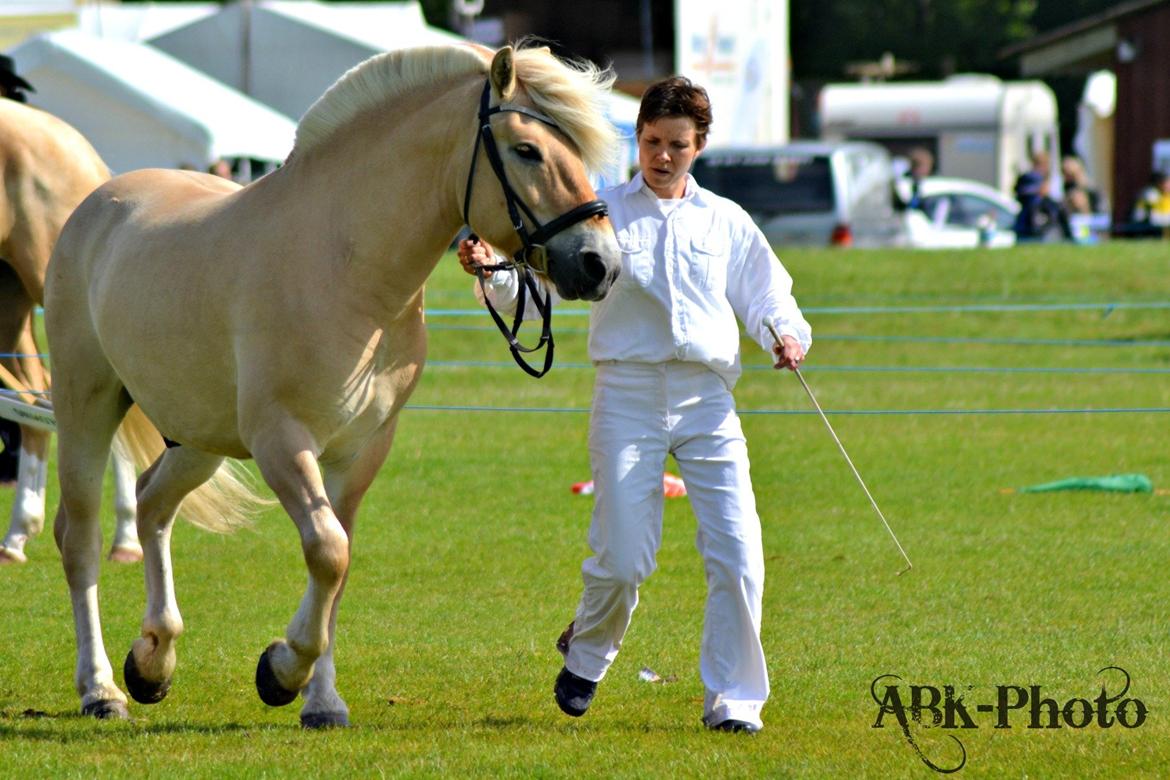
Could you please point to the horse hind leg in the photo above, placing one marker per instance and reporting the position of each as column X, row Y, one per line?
column 85, row 429
column 125, row 547
column 150, row 664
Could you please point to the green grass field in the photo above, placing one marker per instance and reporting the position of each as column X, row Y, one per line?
column 977, row 374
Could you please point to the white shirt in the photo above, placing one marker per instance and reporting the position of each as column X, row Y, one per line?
column 688, row 270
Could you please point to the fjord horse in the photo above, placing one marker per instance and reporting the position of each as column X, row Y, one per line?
column 47, row 168
column 283, row 321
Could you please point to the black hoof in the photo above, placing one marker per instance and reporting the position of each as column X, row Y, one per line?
column 107, row 709
column 142, row 690
column 271, row 691
column 324, row 720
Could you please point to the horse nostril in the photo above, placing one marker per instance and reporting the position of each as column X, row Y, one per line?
column 594, row 267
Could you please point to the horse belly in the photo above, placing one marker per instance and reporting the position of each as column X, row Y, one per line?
column 178, row 367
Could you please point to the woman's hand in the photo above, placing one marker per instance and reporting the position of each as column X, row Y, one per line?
column 789, row 353
column 474, row 252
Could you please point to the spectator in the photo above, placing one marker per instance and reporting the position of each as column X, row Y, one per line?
column 10, row 456
column 921, row 166
column 221, row 168
column 1039, row 213
column 1153, row 204
column 12, row 86
column 1079, row 195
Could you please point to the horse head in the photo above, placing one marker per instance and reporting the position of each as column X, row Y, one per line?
column 540, row 126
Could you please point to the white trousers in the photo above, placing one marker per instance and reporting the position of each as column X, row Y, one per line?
column 641, row 413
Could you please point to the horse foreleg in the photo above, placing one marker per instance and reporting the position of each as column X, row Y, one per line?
column 125, row 547
column 150, row 664
column 287, row 459
column 345, row 486
column 28, row 506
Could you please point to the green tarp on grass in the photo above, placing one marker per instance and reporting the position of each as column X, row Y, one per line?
column 1116, row 483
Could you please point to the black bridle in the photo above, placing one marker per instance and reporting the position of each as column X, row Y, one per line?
column 532, row 253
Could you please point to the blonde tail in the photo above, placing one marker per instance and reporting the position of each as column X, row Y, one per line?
column 223, row 504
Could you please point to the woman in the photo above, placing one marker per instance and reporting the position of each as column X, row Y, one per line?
column 665, row 342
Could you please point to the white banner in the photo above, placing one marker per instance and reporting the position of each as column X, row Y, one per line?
column 738, row 51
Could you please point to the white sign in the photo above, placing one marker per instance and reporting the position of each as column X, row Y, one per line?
column 27, row 414
column 738, row 51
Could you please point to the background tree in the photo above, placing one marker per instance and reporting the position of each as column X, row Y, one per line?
column 939, row 37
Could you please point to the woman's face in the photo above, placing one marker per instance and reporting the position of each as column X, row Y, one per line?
column 666, row 149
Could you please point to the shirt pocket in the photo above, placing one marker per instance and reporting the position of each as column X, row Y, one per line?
column 637, row 258
column 708, row 261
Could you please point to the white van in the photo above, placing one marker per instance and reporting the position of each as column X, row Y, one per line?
column 977, row 126
column 809, row 192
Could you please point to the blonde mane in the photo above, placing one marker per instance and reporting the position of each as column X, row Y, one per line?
column 574, row 95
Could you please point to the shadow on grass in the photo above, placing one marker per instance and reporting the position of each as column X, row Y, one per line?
column 65, row 727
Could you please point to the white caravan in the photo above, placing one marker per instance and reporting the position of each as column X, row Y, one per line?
column 977, row 126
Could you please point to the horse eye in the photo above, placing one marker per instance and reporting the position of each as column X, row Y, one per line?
column 527, row 152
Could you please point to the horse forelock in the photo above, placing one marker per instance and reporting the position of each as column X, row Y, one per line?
column 574, row 94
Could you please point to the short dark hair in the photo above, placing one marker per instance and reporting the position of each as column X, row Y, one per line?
column 676, row 96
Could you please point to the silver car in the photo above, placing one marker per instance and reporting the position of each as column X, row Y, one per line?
column 810, row 192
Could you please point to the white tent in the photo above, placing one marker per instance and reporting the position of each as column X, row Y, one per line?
column 286, row 54
column 1093, row 140
column 141, row 108
column 138, row 22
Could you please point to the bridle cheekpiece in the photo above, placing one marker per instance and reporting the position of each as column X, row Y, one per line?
column 532, row 254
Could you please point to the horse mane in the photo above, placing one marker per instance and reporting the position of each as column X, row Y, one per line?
column 573, row 94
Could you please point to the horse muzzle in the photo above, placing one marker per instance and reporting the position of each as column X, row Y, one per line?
column 584, row 264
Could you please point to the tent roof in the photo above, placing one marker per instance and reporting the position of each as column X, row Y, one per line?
column 380, row 26
column 192, row 104
column 139, row 22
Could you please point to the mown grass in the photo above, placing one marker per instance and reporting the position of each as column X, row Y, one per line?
column 466, row 557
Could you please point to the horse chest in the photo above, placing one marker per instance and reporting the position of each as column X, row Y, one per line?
column 373, row 395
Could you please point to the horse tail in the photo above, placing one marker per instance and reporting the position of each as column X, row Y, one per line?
column 223, row 504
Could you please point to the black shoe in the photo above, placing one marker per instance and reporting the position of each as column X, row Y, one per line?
column 735, row 726
column 573, row 693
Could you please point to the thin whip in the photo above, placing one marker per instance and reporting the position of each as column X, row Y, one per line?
column 848, row 460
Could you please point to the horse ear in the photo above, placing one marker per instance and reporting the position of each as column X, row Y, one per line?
column 503, row 74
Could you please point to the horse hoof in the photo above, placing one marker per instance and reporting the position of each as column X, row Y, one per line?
column 143, row 690
column 271, row 691
column 324, row 720
column 125, row 554
column 107, row 709
column 9, row 555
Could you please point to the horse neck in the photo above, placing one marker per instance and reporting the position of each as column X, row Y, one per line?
column 388, row 185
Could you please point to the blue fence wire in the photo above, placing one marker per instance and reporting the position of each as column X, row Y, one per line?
column 1106, row 308
column 805, row 412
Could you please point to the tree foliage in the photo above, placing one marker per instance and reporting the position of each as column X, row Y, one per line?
column 938, row 37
